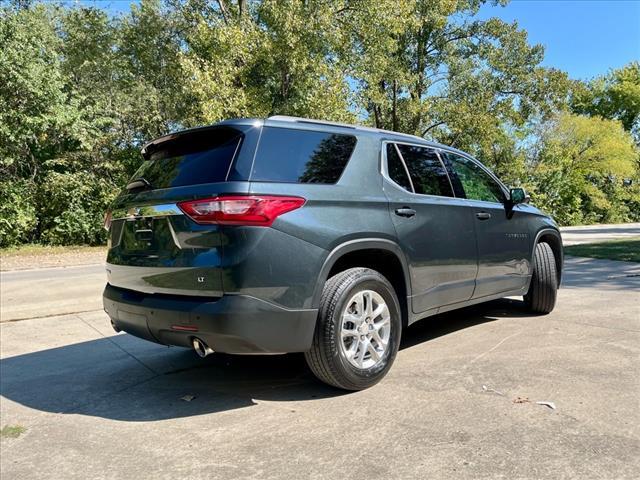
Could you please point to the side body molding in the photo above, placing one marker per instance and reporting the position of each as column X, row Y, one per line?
column 355, row 245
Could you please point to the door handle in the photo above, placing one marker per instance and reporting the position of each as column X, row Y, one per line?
column 405, row 212
column 483, row 216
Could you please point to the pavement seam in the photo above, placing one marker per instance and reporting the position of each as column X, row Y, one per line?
column 13, row 320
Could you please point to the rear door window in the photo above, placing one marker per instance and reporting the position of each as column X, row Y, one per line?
column 192, row 158
column 301, row 156
column 428, row 175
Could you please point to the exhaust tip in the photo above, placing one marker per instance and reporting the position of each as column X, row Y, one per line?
column 201, row 348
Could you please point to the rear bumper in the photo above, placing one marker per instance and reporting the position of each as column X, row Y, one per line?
column 229, row 324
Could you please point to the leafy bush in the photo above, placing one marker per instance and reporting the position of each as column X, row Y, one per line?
column 17, row 212
column 72, row 208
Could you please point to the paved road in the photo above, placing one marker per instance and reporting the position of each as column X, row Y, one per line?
column 599, row 233
column 51, row 291
column 100, row 405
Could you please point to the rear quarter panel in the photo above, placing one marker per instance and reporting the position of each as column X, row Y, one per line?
column 283, row 264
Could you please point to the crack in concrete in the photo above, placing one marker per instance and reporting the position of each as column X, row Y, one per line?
column 492, row 348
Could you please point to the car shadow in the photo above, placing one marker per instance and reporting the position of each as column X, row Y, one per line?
column 124, row 378
column 439, row 325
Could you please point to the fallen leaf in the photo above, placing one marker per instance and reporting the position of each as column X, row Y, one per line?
column 521, row 400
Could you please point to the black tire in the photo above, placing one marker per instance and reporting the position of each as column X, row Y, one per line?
column 326, row 358
column 541, row 297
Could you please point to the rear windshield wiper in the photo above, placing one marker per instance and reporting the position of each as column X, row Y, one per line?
column 139, row 183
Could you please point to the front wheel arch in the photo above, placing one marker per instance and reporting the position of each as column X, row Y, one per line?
column 553, row 238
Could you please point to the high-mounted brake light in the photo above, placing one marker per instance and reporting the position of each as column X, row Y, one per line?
column 258, row 210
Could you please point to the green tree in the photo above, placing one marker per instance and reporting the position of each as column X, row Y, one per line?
column 265, row 58
column 433, row 69
column 578, row 169
column 615, row 96
column 38, row 118
column 81, row 90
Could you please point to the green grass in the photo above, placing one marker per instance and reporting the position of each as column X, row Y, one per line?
column 627, row 250
column 12, row 431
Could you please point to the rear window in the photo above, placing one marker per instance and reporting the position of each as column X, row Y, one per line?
column 192, row 158
column 301, row 156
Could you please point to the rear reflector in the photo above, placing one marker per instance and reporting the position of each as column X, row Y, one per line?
column 184, row 328
column 258, row 210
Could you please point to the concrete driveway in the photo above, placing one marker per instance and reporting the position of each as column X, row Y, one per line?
column 460, row 401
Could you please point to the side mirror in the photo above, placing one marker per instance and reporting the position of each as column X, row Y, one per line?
column 518, row 196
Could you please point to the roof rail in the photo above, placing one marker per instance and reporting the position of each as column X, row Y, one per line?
column 286, row 118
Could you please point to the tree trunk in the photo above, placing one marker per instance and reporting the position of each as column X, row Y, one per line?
column 394, row 112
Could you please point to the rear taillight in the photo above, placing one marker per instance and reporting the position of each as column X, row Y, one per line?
column 107, row 220
column 259, row 210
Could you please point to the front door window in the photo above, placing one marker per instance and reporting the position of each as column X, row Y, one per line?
column 477, row 184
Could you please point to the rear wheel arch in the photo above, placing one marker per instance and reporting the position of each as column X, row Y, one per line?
column 383, row 256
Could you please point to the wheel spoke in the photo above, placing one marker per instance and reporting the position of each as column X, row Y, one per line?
column 374, row 353
column 353, row 318
column 357, row 353
column 348, row 333
column 359, row 301
column 380, row 310
column 368, row 303
column 379, row 340
column 381, row 323
column 363, row 353
column 353, row 349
